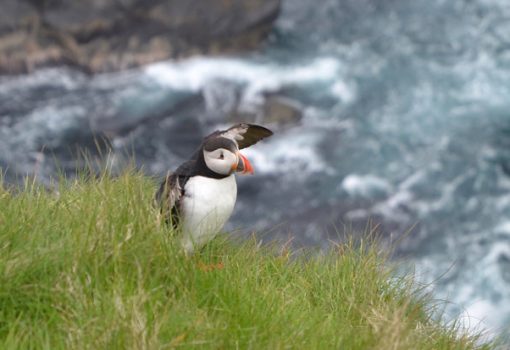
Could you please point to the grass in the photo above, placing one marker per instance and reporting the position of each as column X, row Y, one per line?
column 92, row 266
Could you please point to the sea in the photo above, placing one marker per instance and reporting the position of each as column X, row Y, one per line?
column 404, row 126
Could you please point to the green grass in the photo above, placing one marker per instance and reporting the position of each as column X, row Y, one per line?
column 92, row 266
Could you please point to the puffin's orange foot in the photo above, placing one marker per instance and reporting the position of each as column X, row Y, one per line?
column 210, row 267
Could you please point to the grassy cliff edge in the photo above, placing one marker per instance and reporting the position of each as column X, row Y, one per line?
column 92, row 266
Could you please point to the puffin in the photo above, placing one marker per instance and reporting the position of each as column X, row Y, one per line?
column 198, row 198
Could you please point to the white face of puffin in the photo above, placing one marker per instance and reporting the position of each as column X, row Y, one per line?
column 222, row 161
column 222, row 156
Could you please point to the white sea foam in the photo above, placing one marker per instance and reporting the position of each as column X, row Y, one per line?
column 294, row 152
column 48, row 122
column 476, row 289
column 194, row 73
column 481, row 316
column 57, row 77
column 345, row 92
column 365, row 185
column 503, row 228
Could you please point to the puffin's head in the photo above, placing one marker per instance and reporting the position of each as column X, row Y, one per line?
column 222, row 156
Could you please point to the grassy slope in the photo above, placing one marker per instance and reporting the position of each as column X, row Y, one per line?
column 93, row 267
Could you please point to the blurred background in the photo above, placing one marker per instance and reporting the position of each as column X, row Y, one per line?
column 393, row 111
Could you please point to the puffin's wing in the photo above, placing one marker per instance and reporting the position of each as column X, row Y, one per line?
column 246, row 134
column 168, row 198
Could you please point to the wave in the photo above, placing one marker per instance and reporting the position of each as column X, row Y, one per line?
column 258, row 76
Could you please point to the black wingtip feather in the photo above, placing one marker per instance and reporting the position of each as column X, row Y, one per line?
column 254, row 134
column 265, row 132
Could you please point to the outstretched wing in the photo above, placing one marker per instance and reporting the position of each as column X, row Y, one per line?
column 168, row 198
column 245, row 134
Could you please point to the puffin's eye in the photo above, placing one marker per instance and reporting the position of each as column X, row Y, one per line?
column 222, row 156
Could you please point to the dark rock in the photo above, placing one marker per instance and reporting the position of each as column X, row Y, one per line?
column 282, row 110
column 106, row 35
column 15, row 14
column 17, row 21
column 274, row 110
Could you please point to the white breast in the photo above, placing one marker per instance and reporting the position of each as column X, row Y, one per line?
column 206, row 207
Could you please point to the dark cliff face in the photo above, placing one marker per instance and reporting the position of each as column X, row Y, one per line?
column 107, row 35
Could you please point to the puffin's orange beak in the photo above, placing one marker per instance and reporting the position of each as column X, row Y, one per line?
column 244, row 165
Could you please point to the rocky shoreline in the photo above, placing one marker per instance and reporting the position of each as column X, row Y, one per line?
column 109, row 35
